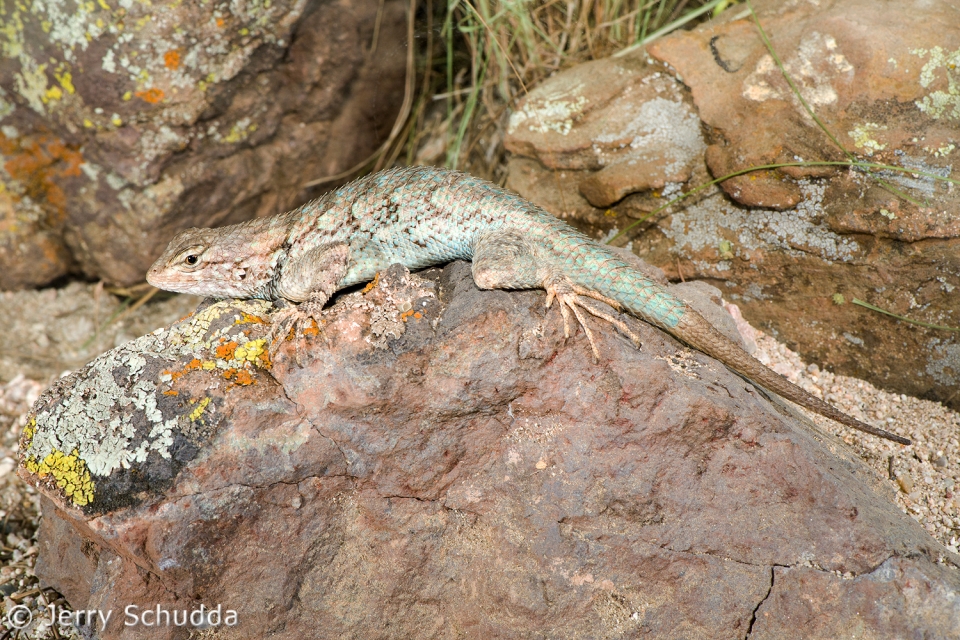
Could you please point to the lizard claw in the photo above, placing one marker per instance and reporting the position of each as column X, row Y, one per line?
column 571, row 297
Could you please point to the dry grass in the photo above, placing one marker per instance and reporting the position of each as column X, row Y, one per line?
column 479, row 57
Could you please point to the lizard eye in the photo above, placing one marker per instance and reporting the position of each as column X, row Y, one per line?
column 191, row 260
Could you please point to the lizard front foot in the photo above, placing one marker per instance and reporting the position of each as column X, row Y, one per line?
column 295, row 319
column 571, row 297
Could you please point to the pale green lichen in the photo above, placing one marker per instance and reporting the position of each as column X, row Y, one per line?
column 31, row 83
column 726, row 250
column 862, row 136
column 86, row 420
column 942, row 151
column 541, row 116
column 940, row 63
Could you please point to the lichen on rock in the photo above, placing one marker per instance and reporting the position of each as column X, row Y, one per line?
column 128, row 415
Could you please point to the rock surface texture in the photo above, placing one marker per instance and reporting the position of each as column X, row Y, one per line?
column 445, row 465
column 594, row 146
column 123, row 122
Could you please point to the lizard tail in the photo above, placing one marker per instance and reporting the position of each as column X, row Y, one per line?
column 700, row 334
column 594, row 267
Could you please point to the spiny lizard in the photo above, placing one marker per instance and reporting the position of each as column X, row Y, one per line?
column 422, row 216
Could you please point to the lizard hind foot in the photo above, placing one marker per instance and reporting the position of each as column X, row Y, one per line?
column 572, row 298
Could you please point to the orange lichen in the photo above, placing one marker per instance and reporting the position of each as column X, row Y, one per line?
column 40, row 163
column 226, row 350
column 373, row 283
column 312, row 330
column 221, row 22
column 171, row 59
column 152, row 95
column 171, row 392
column 238, row 377
column 406, row 314
column 193, row 365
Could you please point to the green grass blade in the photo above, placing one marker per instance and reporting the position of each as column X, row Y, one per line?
column 905, row 319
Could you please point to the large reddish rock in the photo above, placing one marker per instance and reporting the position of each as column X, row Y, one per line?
column 124, row 122
column 441, row 464
column 791, row 247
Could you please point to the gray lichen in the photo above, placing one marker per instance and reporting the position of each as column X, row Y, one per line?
column 796, row 232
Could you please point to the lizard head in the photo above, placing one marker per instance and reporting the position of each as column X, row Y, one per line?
column 223, row 263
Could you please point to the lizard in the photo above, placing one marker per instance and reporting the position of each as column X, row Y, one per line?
column 423, row 216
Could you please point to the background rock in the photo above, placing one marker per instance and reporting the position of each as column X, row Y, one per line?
column 122, row 123
column 787, row 245
column 50, row 331
column 444, row 465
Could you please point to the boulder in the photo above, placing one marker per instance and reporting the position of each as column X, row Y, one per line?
column 792, row 247
column 122, row 123
column 436, row 461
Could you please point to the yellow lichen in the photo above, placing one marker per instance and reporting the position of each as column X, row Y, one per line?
column 51, row 94
column 28, row 431
column 240, row 131
column 66, row 81
column 246, row 318
column 198, row 410
column 70, row 473
column 251, row 351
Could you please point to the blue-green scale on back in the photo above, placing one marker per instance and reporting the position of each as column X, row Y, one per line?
column 421, row 216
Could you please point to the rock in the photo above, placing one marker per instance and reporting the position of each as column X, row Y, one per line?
column 636, row 127
column 53, row 330
column 444, row 464
column 785, row 245
column 121, row 124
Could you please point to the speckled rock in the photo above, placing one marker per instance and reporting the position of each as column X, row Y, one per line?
column 636, row 128
column 442, row 465
column 123, row 122
column 794, row 247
